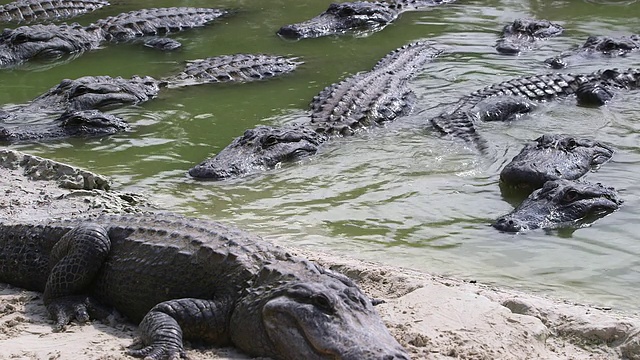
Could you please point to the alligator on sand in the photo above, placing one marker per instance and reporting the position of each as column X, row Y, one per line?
column 75, row 102
column 219, row 285
column 354, row 16
column 47, row 10
column 52, row 42
column 360, row 101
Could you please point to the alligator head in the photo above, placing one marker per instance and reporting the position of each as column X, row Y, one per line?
column 260, row 149
column 560, row 203
column 99, row 92
column 522, row 33
column 48, row 42
column 323, row 316
column 553, row 157
column 340, row 18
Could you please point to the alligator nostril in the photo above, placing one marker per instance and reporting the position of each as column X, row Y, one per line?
column 289, row 32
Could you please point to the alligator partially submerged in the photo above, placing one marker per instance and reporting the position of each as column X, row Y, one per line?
column 47, row 10
column 42, row 118
column 523, row 34
column 504, row 101
column 361, row 101
column 188, row 279
column 560, row 203
column 595, row 46
column 354, row 16
column 52, row 42
column 552, row 157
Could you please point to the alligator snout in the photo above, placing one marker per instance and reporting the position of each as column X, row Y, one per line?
column 509, row 224
column 290, row 32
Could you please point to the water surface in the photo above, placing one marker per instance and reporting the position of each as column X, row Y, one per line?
column 401, row 194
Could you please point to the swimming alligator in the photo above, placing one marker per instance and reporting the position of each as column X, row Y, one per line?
column 551, row 157
column 52, row 42
column 597, row 45
column 360, row 101
column 354, row 16
column 46, row 10
column 560, row 203
column 189, row 279
column 67, row 104
column 506, row 100
column 522, row 34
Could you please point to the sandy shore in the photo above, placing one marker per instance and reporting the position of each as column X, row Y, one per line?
column 432, row 316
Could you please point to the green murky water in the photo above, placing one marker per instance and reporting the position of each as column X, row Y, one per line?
column 401, row 194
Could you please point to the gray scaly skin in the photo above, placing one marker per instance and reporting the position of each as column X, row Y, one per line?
column 80, row 99
column 40, row 10
column 560, row 203
column 361, row 101
column 354, row 16
column 594, row 46
column 552, row 157
column 52, row 42
column 523, row 34
column 191, row 279
column 517, row 96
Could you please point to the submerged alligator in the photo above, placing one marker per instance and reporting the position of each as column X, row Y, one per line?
column 560, row 203
column 552, row 157
column 74, row 102
column 52, row 42
column 354, row 16
column 41, row 10
column 191, row 279
column 506, row 100
column 597, row 45
column 361, row 101
column 522, row 34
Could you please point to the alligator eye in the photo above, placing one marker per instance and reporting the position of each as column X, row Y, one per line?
column 80, row 90
column 20, row 38
column 571, row 143
column 570, row 196
column 323, row 302
column 269, row 140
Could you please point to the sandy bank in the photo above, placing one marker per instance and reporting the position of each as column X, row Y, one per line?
column 432, row 316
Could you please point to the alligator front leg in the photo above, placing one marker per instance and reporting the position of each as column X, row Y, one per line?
column 75, row 260
column 163, row 327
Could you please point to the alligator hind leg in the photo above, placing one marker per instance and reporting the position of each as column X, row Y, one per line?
column 165, row 324
column 75, row 261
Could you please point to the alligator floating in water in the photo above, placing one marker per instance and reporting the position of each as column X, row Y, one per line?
column 361, row 101
column 194, row 280
column 517, row 96
column 597, row 45
column 560, row 203
column 20, row 123
column 552, row 157
column 40, row 10
column 522, row 34
column 52, row 42
column 354, row 16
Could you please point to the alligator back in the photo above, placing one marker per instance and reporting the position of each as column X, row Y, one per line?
column 38, row 10
column 373, row 97
column 233, row 68
column 152, row 259
column 158, row 21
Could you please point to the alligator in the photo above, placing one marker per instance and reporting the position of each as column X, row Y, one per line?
column 361, row 101
column 191, row 279
column 602, row 45
column 560, row 203
column 52, row 42
column 47, row 10
column 507, row 100
column 551, row 157
column 354, row 16
column 522, row 34
column 79, row 123
column 25, row 122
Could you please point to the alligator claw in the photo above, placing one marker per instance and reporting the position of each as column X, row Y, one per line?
column 66, row 309
column 157, row 352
